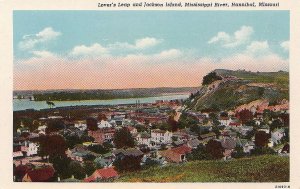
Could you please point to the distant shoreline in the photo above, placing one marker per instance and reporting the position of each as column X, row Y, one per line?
column 26, row 104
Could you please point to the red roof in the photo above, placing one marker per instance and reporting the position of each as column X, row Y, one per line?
column 40, row 174
column 21, row 170
column 104, row 173
column 182, row 149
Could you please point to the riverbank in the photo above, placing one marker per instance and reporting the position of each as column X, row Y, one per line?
column 24, row 104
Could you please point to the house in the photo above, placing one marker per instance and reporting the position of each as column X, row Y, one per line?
column 104, row 161
column 132, row 130
column 193, row 143
column 42, row 129
column 102, row 135
column 181, row 135
column 225, row 120
column 161, row 137
column 207, row 137
column 244, row 130
column 104, row 124
column 30, row 148
column 277, row 135
column 234, row 124
column 177, row 154
column 247, row 145
column 143, row 138
column 228, row 145
column 264, row 128
column 80, row 153
column 121, row 153
column 23, row 130
column 81, row 125
column 178, row 143
column 102, row 174
column 41, row 174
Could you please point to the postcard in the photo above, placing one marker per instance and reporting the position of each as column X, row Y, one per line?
column 198, row 94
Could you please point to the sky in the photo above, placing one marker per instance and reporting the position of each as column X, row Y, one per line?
column 142, row 49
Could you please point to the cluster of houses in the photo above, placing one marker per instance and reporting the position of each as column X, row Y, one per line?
column 162, row 146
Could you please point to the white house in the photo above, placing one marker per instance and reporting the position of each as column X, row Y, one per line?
column 81, row 125
column 225, row 121
column 42, row 129
column 277, row 135
column 247, row 145
column 159, row 136
column 143, row 138
column 30, row 148
column 104, row 124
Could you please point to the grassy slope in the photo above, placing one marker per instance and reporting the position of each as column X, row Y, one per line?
column 227, row 96
column 279, row 78
column 267, row 168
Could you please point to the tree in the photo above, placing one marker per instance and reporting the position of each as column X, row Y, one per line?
column 150, row 163
column 107, row 145
column 128, row 163
column 211, row 77
column 164, row 126
column 34, row 126
column 123, row 138
column 50, row 104
column 216, row 130
column 54, row 125
column 250, row 134
column 276, row 124
column 215, row 149
column 186, row 121
column 140, row 128
column 89, row 167
column 245, row 115
column 195, row 129
column 250, row 123
column 200, row 153
column 61, row 166
column 173, row 124
column 239, row 152
column 214, row 118
column 98, row 149
column 262, row 151
column 261, row 139
column 92, row 124
column 77, row 170
column 52, row 145
column 72, row 140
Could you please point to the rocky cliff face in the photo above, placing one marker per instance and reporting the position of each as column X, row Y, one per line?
column 240, row 87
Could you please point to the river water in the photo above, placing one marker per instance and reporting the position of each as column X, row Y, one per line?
column 24, row 104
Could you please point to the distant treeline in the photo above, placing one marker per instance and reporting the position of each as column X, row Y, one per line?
column 66, row 96
column 107, row 94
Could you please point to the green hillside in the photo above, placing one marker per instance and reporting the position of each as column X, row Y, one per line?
column 267, row 168
column 280, row 78
column 243, row 88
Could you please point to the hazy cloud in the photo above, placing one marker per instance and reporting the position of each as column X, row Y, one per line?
column 94, row 50
column 30, row 41
column 285, row 45
column 139, row 44
column 238, row 38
